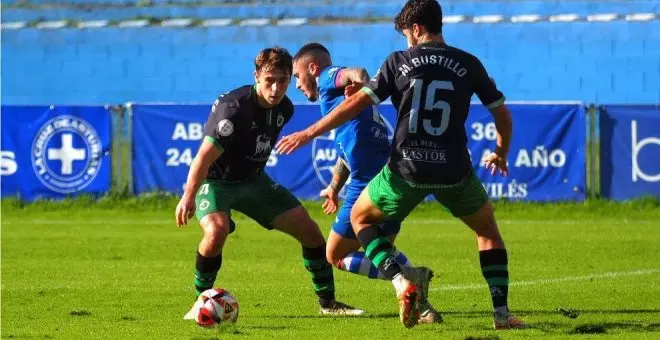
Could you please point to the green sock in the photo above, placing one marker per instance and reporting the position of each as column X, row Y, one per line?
column 206, row 270
column 495, row 270
column 322, row 277
column 380, row 251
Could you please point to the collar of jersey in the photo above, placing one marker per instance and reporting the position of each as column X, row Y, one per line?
column 323, row 70
column 432, row 43
column 253, row 91
column 255, row 96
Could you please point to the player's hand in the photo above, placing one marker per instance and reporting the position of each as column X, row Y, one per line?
column 290, row 143
column 352, row 89
column 184, row 211
column 331, row 200
column 496, row 163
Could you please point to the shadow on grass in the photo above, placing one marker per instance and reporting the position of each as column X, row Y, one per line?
column 598, row 327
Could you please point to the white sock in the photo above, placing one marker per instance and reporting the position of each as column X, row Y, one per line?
column 399, row 281
column 358, row 263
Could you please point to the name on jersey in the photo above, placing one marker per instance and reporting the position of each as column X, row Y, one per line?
column 423, row 151
column 424, row 155
column 433, row 59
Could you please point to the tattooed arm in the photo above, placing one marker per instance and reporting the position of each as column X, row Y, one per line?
column 331, row 193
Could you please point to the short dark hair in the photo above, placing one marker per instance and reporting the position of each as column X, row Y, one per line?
column 309, row 48
column 274, row 58
column 427, row 13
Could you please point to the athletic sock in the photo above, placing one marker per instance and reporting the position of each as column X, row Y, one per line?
column 358, row 263
column 206, row 270
column 380, row 251
column 322, row 277
column 494, row 268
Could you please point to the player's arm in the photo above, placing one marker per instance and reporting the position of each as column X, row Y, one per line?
column 351, row 75
column 493, row 99
column 331, row 193
column 375, row 91
column 208, row 153
column 339, row 175
column 218, row 134
column 504, row 126
column 347, row 110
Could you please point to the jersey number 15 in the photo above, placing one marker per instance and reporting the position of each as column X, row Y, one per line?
column 430, row 104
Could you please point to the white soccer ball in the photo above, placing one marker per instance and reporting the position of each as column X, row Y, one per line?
column 219, row 306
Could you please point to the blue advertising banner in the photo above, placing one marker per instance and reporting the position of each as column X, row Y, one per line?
column 547, row 158
column 55, row 151
column 166, row 139
column 630, row 151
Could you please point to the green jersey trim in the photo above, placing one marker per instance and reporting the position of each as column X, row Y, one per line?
column 213, row 141
column 496, row 103
column 371, row 94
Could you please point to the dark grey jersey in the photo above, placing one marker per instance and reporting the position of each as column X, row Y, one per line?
column 245, row 132
column 431, row 86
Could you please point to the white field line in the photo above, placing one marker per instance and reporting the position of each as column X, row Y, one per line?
column 609, row 275
column 144, row 221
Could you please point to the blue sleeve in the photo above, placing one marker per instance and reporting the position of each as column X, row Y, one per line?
column 328, row 79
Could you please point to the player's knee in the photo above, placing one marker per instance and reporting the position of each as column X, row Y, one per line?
column 356, row 218
column 486, row 219
column 362, row 215
column 312, row 238
column 215, row 239
column 332, row 256
column 309, row 233
column 216, row 229
column 483, row 221
column 359, row 222
column 487, row 228
column 218, row 234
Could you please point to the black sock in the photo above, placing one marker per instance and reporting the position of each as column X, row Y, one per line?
column 494, row 264
column 206, row 269
column 379, row 250
column 322, row 277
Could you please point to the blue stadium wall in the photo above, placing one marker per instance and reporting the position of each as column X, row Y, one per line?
column 600, row 62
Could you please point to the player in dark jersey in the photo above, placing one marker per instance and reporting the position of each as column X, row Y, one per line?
column 430, row 85
column 363, row 146
column 228, row 173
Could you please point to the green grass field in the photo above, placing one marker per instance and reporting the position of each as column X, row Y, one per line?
column 121, row 269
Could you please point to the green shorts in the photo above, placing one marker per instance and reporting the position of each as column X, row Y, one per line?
column 261, row 199
column 396, row 198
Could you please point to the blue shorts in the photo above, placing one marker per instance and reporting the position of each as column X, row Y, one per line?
column 342, row 225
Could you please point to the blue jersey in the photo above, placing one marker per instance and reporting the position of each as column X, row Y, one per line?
column 362, row 142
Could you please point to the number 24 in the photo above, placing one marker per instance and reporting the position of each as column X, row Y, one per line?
column 429, row 105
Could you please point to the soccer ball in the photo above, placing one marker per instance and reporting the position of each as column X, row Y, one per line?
column 218, row 306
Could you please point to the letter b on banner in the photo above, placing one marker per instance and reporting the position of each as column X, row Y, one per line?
column 630, row 151
column 637, row 145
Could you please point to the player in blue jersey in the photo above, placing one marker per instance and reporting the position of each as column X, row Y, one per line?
column 363, row 147
column 431, row 85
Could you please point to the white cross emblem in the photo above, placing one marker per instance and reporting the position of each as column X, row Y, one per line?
column 67, row 154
